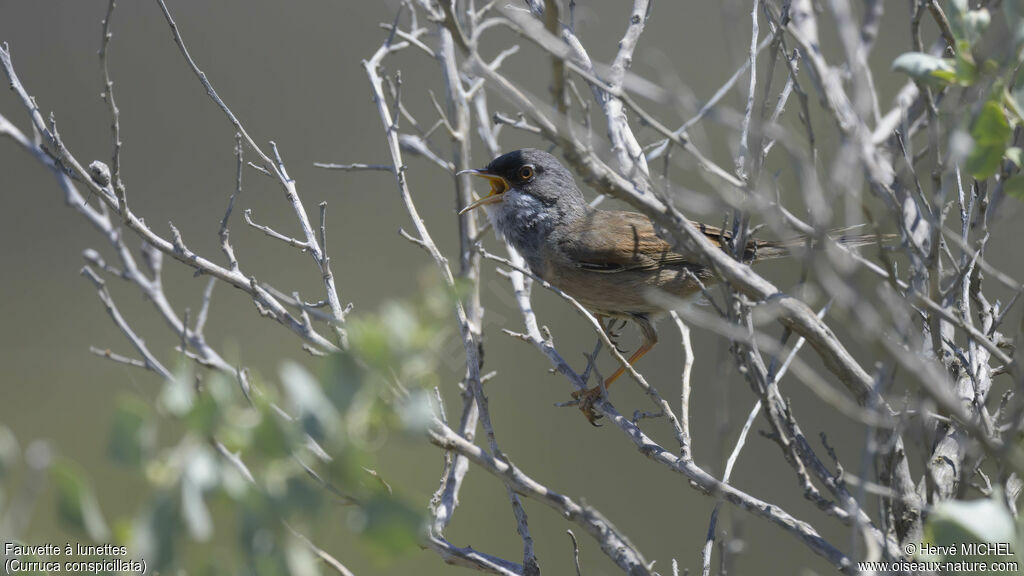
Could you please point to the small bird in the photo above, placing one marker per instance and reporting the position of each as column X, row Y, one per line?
column 612, row 262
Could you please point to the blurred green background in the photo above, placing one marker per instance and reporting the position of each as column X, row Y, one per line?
column 291, row 72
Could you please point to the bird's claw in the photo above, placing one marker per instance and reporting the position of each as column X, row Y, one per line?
column 613, row 337
column 587, row 399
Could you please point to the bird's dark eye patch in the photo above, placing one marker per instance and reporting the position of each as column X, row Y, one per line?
column 526, row 173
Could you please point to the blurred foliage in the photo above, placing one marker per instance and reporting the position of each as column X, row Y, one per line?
column 10, row 453
column 976, row 533
column 300, row 446
column 981, row 62
column 76, row 501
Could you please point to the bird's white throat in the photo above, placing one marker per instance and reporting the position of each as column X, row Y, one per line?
column 523, row 220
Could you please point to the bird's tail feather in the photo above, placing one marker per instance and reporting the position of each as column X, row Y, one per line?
column 770, row 249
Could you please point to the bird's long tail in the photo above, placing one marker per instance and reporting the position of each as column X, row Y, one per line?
column 770, row 249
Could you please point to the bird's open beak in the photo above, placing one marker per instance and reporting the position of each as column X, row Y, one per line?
column 498, row 187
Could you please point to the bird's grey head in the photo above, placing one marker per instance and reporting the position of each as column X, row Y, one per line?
column 530, row 193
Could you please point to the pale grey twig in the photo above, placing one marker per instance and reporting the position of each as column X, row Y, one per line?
column 722, row 91
column 794, row 313
column 273, row 233
column 106, row 353
column 519, row 122
column 153, row 249
column 468, row 557
column 354, row 167
column 418, row 146
column 686, row 467
column 413, row 37
column 59, row 159
column 460, row 113
column 531, row 30
column 904, row 99
column 741, row 157
column 627, row 150
column 734, row 455
column 624, row 554
column 703, row 481
column 115, row 113
column 447, row 495
column 277, row 168
column 575, row 552
column 686, row 448
column 580, row 309
column 149, row 360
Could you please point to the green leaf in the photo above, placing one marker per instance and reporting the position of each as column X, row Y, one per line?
column 204, row 416
column 196, row 514
column 133, row 433
column 966, row 69
column 301, row 560
column 984, row 160
column 984, row 520
column 989, row 132
column 947, row 76
column 390, row 525
column 346, row 468
column 76, row 502
column 344, row 380
column 1014, row 187
column 976, row 22
column 302, row 496
column 991, row 126
column 954, row 525
column 967, row 25
column 177, row 394
column 270, row 438
column 154, row 533
column 1015, row 155
column 416, row 412
column 201, row 475
column 925, row 67
column 315, row 411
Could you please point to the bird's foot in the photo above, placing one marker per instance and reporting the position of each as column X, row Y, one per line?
column 614, row 334
column 587, row 399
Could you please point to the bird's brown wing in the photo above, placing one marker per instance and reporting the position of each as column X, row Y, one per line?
column 611, row 242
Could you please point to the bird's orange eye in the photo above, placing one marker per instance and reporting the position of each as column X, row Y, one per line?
column 526, row 173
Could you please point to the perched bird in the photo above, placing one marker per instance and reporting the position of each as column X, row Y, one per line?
column 610, row 261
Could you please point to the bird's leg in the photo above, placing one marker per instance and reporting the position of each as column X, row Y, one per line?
column 592, row 358
column 644, row 349
column 589, row 397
